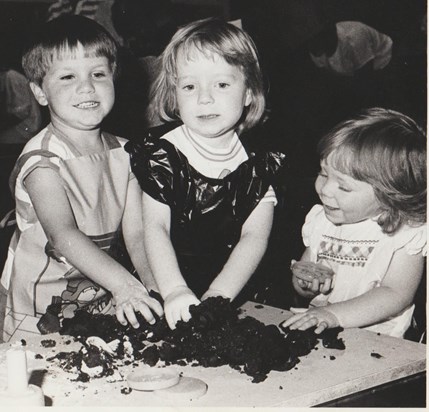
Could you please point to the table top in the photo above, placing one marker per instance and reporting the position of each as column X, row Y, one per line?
column 321, row 376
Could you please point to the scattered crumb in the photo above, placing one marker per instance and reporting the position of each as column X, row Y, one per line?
column 332, row 357
column 48, row 343
column 23, row 342
column 259, row 306
column 376, row 355
column 281, row 387
column 126, row 391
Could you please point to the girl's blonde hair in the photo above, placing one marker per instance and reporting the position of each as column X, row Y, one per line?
column 60, row 37
column 209, row 36
column 387, row 150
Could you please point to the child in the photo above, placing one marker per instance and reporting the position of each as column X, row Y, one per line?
column 73, row 192
column 370, row 228
column 207, row 202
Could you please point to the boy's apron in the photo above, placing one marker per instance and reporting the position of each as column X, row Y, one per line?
column 44, row 288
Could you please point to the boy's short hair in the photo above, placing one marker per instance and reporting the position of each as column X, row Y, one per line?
column 209, row 36
column 386, row 149
column 61, row 36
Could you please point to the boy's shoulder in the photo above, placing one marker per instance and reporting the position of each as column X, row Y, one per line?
column 45, row 141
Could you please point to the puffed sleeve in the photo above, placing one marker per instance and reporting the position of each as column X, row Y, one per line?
column 413, row 239
column 313, row 224
column 150, row 163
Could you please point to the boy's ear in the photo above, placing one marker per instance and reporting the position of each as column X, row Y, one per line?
column 249, row 97
column 39, row 94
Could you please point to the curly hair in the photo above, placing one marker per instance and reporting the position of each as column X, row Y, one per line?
column 209, row 36
column 60, row 37
column 386, row 149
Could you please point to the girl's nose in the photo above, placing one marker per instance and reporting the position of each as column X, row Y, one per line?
column 326, row 188
column 205, row 96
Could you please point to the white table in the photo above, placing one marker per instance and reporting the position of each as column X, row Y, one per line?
column 321, row 376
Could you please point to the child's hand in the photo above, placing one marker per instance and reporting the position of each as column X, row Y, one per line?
column 323, row 318
column 312, row 277
column 176, row 305
column 135, row 298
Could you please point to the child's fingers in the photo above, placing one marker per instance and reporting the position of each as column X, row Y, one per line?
column 120, row 315
column 326, row 287
column 321, row 327
column 303, row 284
column 154, row 305
column 304, row 323
column 171, row 317
column 146, row 312
column 292, row 320
column 315, row 285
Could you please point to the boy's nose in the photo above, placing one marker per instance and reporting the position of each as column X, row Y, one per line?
column 86, row 86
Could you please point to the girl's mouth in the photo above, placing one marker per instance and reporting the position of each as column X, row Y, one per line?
column 330, row 208
column 208, row 116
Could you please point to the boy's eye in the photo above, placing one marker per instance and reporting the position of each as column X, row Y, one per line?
column 322, row 174
column 99, row 75
column 223, row 85
column 344, row 189
column 188, row 87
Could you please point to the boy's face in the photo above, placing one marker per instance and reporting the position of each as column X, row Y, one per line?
column 78, row 90
column 211, row 95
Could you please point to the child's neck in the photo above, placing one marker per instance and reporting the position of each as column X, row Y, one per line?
column 220, row 142
column 86, row 141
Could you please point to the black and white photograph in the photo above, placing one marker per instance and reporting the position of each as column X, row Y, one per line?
column 216, row 204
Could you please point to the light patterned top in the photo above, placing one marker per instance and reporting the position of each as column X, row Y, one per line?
column 360, row 255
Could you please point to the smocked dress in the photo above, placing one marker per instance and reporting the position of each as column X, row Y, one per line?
column 207, row 213
column 360, row 254
column 43, row 288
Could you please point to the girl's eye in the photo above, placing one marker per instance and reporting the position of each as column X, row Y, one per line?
column 67, row 77
column 188, row 87
column 223, row 85
column 344, row 189
column 99, row 75
column 322, row 174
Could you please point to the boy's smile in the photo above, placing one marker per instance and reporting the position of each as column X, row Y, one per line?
column 211, row 95
column 78, row 90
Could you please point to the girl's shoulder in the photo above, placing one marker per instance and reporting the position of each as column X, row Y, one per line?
column 413, row 239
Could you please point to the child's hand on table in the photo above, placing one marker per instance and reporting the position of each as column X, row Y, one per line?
column 312, row 277
column 176, row 305
column 320, row 317
column 132, row 298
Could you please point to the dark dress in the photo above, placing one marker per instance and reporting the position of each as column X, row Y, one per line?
column 207, row 214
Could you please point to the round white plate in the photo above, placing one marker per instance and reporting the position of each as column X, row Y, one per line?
column 186, row 389
column 151, row 379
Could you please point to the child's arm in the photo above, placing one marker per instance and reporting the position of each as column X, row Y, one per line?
column 163, row 262
column 395, row 293
column 246, row 255
column 56, row 217
column 132, row 227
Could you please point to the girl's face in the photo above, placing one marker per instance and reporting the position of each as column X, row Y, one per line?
column 79, row 91
column 345, row 199
column 211, row 95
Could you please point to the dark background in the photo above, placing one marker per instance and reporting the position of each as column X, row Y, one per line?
column 303, row 103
